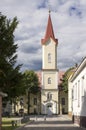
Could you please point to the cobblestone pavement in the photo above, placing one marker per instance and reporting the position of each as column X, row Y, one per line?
column 50, row 123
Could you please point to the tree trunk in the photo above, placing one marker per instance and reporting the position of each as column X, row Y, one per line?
column 28, row 103
column 0, row 112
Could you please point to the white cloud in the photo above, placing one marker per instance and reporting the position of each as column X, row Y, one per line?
column 69, row 23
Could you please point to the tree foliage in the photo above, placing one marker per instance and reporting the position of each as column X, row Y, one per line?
column 31, row 81
column 65, row 79
column 10, row 76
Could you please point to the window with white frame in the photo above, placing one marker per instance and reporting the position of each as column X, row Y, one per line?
column 75, row 91
column 63, row 101
column 49, row 96
column 82, row 86
column 49, row 80
column 72, row 93
column 49, row 57
column 78, row 93
column 35, row 101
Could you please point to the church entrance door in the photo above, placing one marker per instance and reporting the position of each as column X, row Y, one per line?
column 49, row 109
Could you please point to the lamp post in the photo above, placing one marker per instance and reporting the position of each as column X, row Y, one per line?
column 31, row 85
column 38, row 106
column 28, row 101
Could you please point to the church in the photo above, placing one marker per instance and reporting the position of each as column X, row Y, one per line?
column 52, row 100
column 49, row 91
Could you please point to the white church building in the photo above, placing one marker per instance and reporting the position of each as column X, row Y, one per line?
column 49, row 91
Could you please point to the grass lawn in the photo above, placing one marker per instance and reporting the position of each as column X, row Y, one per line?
column 7, row 125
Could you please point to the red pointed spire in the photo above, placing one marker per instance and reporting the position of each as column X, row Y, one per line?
column 49, row 31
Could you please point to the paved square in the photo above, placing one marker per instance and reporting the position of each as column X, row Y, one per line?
column 50, row 123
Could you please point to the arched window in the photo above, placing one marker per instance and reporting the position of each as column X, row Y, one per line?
column 49, row 96
column 49, row 57
column 49, row 80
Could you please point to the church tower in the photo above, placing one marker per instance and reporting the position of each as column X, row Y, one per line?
column 49, row 92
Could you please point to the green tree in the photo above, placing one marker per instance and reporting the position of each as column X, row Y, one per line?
column 65, row 79
column 10, row 76
column 31, row 82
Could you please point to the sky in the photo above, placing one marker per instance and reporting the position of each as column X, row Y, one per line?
column 69, row 24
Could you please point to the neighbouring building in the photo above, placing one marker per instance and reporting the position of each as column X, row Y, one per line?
column 70, row 90
column 70, row 96
column 35, row 107
column 78, row 89
column 63, row 96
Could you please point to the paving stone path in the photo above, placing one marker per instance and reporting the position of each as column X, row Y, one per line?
column 50, row 123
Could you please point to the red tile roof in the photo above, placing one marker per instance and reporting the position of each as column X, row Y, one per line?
column 39, row 74
column 60, row 77
column 49, row 32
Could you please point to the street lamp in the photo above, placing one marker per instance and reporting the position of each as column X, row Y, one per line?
column 31, row 85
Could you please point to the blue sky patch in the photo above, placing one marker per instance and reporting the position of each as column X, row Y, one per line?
column 75, row 11
column 42, row 5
